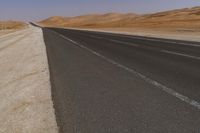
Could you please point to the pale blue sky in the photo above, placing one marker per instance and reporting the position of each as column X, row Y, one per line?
column 30, row 10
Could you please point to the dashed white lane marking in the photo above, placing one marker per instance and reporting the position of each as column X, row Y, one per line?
column 165, row 51
column 180, row 54
column 151, row 39
column 165, row 41
column 143, row 38
column 96, row 37
column 148, row 80
column 124, row 42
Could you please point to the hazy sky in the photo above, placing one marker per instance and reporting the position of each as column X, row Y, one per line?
column 40, row 9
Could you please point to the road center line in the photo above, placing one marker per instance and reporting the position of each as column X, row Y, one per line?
column 157, row 40
column 124, row 42
column 96, row 37
column 180, row 54
column 165, row 51
column 148, row 80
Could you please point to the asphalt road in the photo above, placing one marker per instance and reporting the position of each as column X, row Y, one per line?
column 112, row 83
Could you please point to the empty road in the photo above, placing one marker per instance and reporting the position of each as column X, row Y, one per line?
column 112, row 83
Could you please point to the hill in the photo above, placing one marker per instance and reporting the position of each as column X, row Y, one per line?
column 185, row 19
column 91, row 20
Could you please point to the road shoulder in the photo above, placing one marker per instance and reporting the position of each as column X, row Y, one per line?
column 26, row 105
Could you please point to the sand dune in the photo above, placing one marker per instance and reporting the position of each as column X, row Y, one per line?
column 91, row 20
column 181, row 19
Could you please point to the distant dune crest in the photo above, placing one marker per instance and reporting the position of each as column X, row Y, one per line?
column 180, row 18
column 86, row 20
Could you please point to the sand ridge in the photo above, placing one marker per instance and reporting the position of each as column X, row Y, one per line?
column 182, row 19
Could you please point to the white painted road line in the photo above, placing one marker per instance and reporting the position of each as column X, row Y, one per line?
column 68, row 39
column 165, row 51
column 148, row 80
column 96, row 37
column 180, row 54
column 141, row 38
column 157, row 40
column 132, row 44
column 124, row 42
column 165, row 41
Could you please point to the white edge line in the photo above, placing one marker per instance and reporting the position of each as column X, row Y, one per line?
column 148, row 80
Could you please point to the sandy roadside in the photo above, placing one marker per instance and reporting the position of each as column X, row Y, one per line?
column 25, row 92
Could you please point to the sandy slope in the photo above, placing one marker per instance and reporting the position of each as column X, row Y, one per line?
column 26, row 105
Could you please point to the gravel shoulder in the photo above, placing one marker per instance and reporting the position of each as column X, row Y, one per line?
column 25, row 92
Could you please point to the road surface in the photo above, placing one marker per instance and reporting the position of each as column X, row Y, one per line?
column 112, row 83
